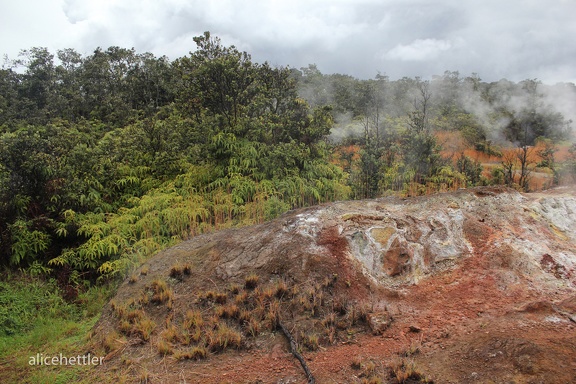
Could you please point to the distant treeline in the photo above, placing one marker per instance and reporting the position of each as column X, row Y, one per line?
column 108, row 158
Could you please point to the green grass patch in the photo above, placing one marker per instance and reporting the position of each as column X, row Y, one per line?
column 35, row 320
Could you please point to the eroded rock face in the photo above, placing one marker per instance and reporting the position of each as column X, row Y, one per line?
column 404, row 241
column 397, row 259
column 393, row 242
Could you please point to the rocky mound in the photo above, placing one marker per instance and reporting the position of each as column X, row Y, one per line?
column 473, row 286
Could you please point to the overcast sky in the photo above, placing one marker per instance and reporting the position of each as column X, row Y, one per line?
column 513, row 39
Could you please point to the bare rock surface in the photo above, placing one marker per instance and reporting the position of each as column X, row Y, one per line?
column 473, row 286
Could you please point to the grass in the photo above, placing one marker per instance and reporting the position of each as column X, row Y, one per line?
column 164, row 347
column 310, row 341
column 144, row 328
column 195, row 353
column 162, row 294
column 36, row 320
column 170, row 334
column 224, row 337
column 178, row 271
column 193, row 319
column 405, row 371
column 231, row 318
column 251, row 281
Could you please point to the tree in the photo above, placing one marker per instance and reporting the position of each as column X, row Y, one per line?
column 524, row 156
column 419, row 117
column 470, row 168
column 546, row 153
column 219, row 80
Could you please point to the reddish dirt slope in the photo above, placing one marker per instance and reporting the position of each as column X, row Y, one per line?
column 476, row 286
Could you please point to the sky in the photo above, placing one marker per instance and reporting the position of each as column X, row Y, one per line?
column 512, row 39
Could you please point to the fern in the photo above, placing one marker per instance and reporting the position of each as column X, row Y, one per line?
column 26, row 243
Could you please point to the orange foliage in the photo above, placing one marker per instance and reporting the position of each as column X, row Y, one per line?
column 343, row 154
column 453, row 145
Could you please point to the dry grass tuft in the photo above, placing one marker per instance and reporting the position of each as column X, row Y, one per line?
column 144, row 328
column 251, row 281
column 170, row 334
column 193, row 319
column 112, row 342
column 406, row 371
column 235, row 289
column 310, row 341
column 224, row 337
column 161, row 293
column 281, row 289
column 164, row 347
column 195, row 353
column 241, row 298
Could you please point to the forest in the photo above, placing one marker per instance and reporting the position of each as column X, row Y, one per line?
column 108, row 158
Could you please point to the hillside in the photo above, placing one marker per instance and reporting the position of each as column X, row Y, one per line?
column 471, row 286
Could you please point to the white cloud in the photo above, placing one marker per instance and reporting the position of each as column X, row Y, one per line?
column 419, row 50
column 516, row 39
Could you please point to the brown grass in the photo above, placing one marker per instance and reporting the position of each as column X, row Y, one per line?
column 234, row 289
column 272, row 316
column 112, row 341
column 170, row 334
column 210, row 323
column 311, row 341
column 144, row 328
column 224, row 337
column 253, row 327
column 164, row 347
column 251, row 281
column 161, row 293
column 241, row 298
column 404, row 371
column 193, row 319
column 280, row 289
